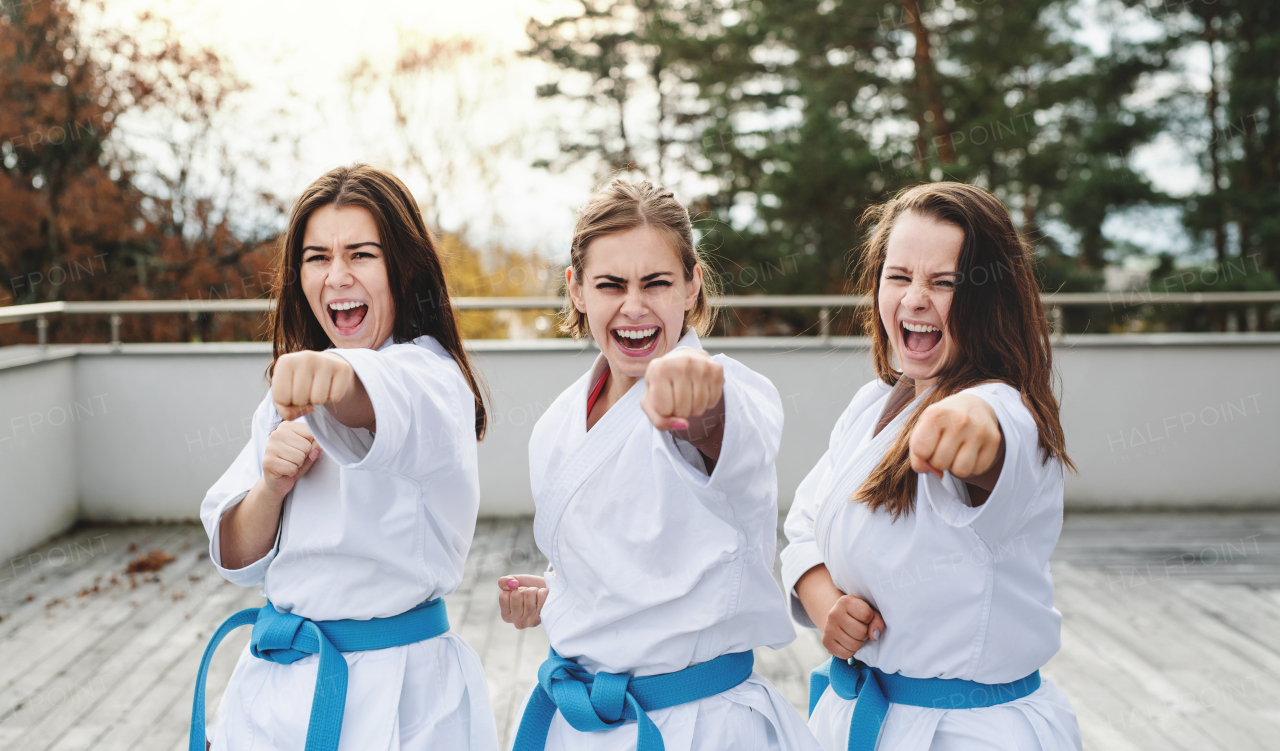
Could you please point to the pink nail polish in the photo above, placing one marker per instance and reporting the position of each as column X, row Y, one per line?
column 679, row 424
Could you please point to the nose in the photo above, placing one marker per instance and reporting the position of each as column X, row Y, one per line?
column 633, row 306
column 339, row 276
column 917, row 297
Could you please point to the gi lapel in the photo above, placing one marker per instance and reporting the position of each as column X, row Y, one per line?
column 867, row 454
column 602, row 441
column 590, row 451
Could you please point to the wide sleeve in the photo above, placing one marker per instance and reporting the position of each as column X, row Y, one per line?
column 752, row 434
column 1021, row 476
column 418, row 408
column 232, row 488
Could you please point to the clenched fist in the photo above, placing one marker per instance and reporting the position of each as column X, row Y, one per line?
column 681, row 384
column 850, row 624
column 291, row 450
column 959, row 434
column 303, row 381
column 521, row 599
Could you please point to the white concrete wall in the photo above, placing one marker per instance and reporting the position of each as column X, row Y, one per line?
column 176, row 417
column 39, row 424
column 1162, row 424
column 1151, row 421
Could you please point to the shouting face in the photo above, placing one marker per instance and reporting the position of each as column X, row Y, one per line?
column 344, row 276
column 634, row 294
column 916, row 287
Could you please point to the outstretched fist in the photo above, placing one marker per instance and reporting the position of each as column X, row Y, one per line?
column 959, row 434
column 681, row 384
column 303, row 381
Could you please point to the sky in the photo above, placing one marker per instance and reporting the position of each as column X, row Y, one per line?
column 296, row 56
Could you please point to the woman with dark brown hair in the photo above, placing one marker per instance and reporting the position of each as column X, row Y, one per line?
column 919, row 545
column 354, row 503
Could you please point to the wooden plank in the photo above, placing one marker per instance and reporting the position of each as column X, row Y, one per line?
column 45, row 646
column 118, row 651
column 1152, row 644
column 1159, row 651
column 167, row 679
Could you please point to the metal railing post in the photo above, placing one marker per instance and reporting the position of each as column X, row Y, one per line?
column 824, row 323
column 115, row 331
column 42, row 332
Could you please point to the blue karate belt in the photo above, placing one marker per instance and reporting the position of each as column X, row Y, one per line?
column 601, row 701
column 875, row 690
column 284, row 638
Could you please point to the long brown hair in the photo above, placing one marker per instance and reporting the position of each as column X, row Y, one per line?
column 625, row 204
column 414, row 271
column 996, row 322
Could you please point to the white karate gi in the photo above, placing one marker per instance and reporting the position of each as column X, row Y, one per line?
column 964, row 592
column 656, row 566
column 380, row 524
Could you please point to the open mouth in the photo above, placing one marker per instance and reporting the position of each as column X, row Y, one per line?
column 347, row 316
column 637, row 342
column 920, row 338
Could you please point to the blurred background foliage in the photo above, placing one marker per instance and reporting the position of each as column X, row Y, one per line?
column 782, row 121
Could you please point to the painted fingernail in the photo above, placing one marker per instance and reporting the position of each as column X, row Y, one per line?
column 314, row 453
column 875, row 635
column 512, row 583
column 679, row 424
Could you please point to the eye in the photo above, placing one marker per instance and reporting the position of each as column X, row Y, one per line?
column 948, row 285
column 363, row 254
column 899, row 278
column 315, row 257
column 608, row 285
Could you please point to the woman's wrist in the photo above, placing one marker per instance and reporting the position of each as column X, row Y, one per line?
column 262, row 493
column 818, row 594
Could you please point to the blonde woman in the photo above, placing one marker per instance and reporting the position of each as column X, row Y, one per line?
column 656, row 499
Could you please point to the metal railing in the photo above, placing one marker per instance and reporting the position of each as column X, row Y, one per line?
column 825, row 304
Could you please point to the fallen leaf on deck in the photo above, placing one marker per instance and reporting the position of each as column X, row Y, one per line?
column 153, row 561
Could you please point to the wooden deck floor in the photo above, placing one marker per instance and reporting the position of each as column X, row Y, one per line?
column 1171, row 636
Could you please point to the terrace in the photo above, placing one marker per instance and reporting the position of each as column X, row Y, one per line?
column 1168, row 571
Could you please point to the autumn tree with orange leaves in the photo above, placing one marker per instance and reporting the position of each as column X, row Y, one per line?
column 84, row 217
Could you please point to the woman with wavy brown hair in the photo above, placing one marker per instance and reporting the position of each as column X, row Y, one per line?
column 354, row 503
column 919, row 545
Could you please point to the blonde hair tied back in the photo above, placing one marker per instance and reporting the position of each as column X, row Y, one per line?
column 625, row 204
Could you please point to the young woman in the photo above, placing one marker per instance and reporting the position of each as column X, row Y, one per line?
column 919, row 545
column 354, row 504
column 656, row 502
